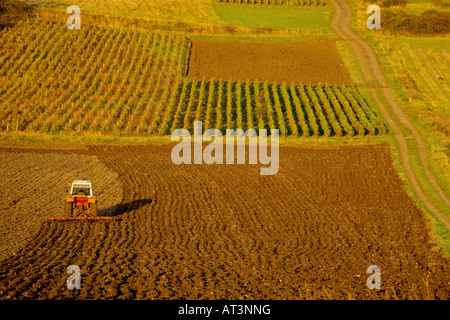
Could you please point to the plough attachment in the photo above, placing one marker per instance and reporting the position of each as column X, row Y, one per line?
column 88, row 219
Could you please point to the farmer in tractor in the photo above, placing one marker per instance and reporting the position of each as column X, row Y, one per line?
column 82, row 192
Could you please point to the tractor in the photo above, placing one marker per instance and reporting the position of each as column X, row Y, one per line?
column 81, row 203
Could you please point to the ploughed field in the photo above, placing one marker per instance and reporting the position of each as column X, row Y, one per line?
column 226, row 232
column 308, row 62
column 34, row 183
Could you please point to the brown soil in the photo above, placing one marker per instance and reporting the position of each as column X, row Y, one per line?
column 34, row 184
column 306, row 62
column 225, row 231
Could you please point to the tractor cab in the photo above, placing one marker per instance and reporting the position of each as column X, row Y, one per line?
column 80, row 204
column 81, row 188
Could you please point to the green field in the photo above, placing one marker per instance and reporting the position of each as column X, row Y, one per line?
column 303, row 18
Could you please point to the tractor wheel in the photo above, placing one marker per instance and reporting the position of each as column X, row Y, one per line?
column 68, row 209
column 93, row 209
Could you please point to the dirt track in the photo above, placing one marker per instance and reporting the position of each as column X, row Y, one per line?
column 225, row 231
column 306, row 62
column 373, row 74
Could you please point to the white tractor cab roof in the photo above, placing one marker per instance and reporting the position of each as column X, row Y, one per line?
column 77, row 185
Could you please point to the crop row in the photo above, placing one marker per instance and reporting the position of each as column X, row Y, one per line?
column 91, row 80
column 124, row 82
column 294, row 109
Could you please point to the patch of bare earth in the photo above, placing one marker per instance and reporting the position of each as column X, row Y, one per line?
column 33, row 185
column 306, row 62
column 226, row 232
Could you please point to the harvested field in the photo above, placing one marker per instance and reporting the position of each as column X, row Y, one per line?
column 306, row 62
column 225, row 232
column 34, row 184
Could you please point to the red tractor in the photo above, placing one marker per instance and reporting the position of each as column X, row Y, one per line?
column 80, row 203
